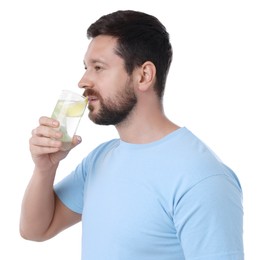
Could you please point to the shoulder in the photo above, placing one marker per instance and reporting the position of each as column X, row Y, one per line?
column 195, row 161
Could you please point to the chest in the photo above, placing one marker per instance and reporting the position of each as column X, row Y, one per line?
column 124, row 206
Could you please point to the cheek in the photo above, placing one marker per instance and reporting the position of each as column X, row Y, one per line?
column 110, row 88
column 112, row 81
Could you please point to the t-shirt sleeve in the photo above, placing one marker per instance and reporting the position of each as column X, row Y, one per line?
column 209, row 220
column 70, row 189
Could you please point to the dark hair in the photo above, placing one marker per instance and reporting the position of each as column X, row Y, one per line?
column 141, row 37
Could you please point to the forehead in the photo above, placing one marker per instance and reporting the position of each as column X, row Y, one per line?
column 101, row 48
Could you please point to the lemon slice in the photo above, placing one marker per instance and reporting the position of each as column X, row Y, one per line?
column 76, row 109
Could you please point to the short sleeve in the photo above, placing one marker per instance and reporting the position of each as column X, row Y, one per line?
column 209, row 220
column 70, row 189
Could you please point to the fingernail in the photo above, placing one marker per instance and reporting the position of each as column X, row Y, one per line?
column 54, row 123
column 79, row 139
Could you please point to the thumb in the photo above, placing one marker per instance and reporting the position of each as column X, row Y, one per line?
column 76, row 140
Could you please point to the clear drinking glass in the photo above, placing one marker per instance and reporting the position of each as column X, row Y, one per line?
column 68, row 111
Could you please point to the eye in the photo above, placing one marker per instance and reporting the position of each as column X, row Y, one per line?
column 98, row 68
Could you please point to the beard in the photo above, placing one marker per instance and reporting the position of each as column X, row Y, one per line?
column 116, row 110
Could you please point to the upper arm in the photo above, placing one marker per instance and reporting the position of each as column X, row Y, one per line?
column 62, row 219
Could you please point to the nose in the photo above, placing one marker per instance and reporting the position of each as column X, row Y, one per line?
column 85, row 82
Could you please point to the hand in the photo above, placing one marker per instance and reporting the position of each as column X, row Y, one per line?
column 45, row 144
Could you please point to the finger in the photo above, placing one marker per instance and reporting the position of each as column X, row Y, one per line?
column 36, row 141
column 40, row 150
column 76, row 140
column 48, row 121
column 47, row 132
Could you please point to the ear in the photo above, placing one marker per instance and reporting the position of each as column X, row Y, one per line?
column 147, row 75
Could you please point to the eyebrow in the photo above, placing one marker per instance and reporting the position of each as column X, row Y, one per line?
column 93, row 61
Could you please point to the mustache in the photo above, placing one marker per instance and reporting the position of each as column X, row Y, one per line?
column 91, row 92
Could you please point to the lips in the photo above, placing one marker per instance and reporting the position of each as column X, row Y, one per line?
column 92, row 95
column 92, row 98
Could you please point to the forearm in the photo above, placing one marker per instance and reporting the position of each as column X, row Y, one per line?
column 38, row 206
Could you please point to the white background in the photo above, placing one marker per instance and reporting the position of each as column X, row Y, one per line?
column 213, row 89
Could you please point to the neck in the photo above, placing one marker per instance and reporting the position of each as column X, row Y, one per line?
column 146, row 123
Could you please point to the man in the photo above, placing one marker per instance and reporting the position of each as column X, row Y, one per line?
column 157, row 192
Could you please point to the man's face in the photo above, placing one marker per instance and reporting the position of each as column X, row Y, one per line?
column 109, row 88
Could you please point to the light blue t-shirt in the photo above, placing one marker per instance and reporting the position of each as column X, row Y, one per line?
column 171, row 199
